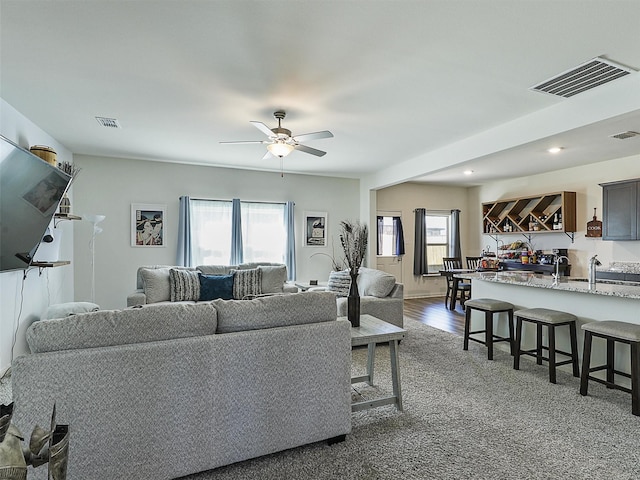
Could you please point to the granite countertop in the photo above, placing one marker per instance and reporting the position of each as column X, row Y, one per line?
column 612, row 288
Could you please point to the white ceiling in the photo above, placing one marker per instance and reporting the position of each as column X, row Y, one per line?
column 394, row 81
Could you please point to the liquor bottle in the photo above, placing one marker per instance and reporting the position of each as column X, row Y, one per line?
column 555, row 222
column 559, row 221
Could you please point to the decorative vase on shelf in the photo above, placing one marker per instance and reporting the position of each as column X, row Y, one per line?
column 353, row 302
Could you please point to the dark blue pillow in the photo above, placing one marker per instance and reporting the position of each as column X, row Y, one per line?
column 216, row 286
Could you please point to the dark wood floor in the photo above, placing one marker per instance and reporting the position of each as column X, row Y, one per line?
column 432, row 311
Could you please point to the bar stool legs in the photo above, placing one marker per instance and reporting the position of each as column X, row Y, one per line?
column 489, row 306
column 551, row 319
column 612, row 332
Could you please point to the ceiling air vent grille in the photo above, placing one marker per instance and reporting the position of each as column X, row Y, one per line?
column 584, row 77
column 625, row 135
column 108, row 122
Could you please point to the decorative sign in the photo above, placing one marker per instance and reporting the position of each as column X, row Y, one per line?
column 594, row 227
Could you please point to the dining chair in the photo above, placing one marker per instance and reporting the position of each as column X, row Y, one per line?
column 450, row 263
column 464, row 286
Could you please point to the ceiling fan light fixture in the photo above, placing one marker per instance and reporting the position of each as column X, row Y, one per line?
column 280, row 149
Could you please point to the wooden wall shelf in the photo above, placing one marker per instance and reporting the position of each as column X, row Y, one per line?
column 530, row 215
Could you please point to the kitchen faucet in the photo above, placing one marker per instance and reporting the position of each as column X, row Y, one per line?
column 556, row 276
column 593, row 263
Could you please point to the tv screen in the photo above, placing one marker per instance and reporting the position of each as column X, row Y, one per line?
column 30, row 191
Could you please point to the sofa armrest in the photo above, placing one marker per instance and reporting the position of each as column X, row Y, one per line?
column 398, row 291
column 136, row 298
column 289, row 288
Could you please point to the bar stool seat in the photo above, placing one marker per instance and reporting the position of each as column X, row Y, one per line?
column 613, row 331
column 551, row 319
column 490, row 307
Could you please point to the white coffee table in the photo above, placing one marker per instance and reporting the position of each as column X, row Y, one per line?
column 372, row 330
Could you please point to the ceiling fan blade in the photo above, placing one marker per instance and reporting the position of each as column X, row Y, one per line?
column 247, row 141
column 267, row 155
column 263, row 128
column 312, row 151
column 313, row 136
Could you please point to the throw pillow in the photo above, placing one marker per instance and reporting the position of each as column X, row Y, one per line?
column 375, row 283
column 213, row 287
column 156, row 284
column 339, row 283
column 247, row 283
column 273, row 278
column 184, row 285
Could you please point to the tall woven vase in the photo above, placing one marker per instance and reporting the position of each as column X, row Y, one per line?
column 353, row 301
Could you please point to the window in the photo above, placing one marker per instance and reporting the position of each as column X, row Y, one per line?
column 264, row 238
column 438, row 234
column 210, row 232
column 263, row 232
column 390, row 239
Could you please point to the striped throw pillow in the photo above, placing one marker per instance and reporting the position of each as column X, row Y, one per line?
column 339, row 283
column 184, row 285
column 247, row 283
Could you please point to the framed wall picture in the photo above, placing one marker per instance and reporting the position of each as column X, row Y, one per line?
column 315, row 229
column 147, row 225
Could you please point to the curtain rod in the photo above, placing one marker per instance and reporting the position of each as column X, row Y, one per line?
column 246, row 201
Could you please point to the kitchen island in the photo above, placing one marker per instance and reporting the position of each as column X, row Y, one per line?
column 607, row 300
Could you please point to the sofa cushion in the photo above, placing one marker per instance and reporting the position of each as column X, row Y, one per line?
column 275, row 311
column 339, row 283
column 273, row 278
column 213, row 287
column 184, row 285
column 104, row 328
column 216, row 269
column 61, row 310
column 156, row 284
column 375, row 283
column 247, row 283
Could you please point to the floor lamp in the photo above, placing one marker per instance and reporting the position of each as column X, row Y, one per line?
column 95, row 220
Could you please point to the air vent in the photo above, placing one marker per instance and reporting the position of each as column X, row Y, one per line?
column 625, row 135
column 584, row 77
column 108, row 122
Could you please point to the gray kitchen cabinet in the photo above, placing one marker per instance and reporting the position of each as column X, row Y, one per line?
column 621, row 210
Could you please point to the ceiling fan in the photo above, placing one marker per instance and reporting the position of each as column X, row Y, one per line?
column 281, row 143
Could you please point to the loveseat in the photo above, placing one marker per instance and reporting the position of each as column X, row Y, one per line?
column 153, row 282
column 162, row 391
column 380, row 294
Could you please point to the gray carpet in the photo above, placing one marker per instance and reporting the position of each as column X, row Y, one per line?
column 466, row 418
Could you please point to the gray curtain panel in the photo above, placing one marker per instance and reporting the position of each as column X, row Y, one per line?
column 420, row 244
column 455, row 248
column 237, row 256
column 290, row 260
column 184, row 257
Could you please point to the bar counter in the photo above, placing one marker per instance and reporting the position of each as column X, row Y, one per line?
column 569, row 284
column 608, row 300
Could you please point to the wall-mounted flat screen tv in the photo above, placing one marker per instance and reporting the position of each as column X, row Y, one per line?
column 30, row 192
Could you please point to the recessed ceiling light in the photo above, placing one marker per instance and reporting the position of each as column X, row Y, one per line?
column 555, row 149
column 468, row 172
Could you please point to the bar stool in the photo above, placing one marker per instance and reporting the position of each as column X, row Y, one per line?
column 489, row 306
column 613, row 331
column 551, row 319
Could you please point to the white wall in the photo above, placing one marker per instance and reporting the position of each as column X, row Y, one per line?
column 109, row 186
column 22, row 300
column 405, row 198
column 585, row 182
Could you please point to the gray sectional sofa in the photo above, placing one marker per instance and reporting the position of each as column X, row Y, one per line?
column 380, row 296
column 162, row 391
column 153, row 281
